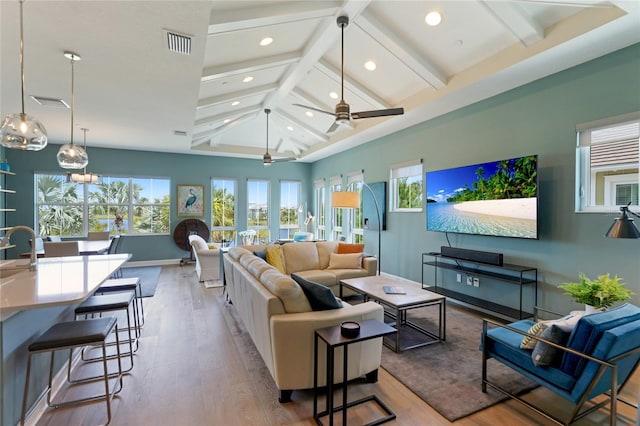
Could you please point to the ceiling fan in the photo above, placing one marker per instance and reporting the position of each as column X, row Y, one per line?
column 342, row 112
column 266, row 158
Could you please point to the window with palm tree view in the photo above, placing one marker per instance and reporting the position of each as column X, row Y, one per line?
column 406, row 187
column 120, row 205
column 258, row 200
column 223, row 210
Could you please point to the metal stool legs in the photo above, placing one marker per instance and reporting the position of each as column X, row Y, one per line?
column 68, row 335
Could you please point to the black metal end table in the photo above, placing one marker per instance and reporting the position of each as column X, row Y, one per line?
column 331, row 336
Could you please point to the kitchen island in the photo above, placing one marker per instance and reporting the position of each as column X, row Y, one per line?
column 33, row 300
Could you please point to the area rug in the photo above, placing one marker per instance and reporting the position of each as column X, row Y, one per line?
column 148, row 275
column 448, row 375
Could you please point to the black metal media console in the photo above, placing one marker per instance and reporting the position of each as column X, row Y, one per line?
column 508, row 273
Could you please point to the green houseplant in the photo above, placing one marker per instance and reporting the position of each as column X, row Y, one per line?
column 599, row 293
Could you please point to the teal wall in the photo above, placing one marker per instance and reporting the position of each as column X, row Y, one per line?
column 538, row 118
column 180, row 168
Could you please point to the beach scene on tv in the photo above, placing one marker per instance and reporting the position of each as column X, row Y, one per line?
column 497, row 198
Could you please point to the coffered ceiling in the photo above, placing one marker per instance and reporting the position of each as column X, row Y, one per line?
column 134, row 91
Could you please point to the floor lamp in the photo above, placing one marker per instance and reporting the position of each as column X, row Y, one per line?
column 623, row 227
column 351, row 200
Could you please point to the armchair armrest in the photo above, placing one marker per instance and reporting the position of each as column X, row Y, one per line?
column 370, row 263
column 208, row 253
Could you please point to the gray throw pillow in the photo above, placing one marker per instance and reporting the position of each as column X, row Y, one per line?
column 320, row 297
column 544, row 354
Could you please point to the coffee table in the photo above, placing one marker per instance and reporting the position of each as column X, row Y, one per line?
column 397, row 305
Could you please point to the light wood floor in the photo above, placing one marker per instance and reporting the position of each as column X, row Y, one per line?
column 190, row 371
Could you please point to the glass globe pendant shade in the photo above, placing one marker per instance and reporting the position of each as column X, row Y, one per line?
column 71, row 156
column 22, row 131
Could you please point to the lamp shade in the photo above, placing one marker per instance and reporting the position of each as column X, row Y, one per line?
column 623, row 227
column 71, row 156
column 22, row 131
column 84, row 178
column 345, row 200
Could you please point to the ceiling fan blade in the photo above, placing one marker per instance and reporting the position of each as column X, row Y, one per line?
column 281, row 160
column 334, row 126
column 316, row 109
column 377, row 113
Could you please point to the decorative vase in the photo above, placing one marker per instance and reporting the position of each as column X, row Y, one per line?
column 590, row 309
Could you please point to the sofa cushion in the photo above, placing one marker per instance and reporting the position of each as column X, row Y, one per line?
column 344, row 248
column 320, row 297
column 302, row 256
column 320, row 276
column 544, row 354
column 588, row 331
column 257, row 267
column 287, row 290
column 324, row 249
column 274, row 257
column 345, row 261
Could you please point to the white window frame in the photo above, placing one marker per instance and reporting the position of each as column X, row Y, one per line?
column 291, row 227
column 624, row 128
column 335, row 185
column 408, row 169
column 261, row 230
column 223, row 229
column 320, row 209
column 355, row 181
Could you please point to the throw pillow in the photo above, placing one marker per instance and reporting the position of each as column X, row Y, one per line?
column 345, row 261
column 566, row 323
column 262, row 254
column 344, row 248
column 536, row 329
column 544, row 354
column 320, row 297
column 274, row 258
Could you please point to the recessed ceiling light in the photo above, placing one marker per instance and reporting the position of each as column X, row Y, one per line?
column 333, row 95
column 247, row 79
column 235, row 103
column 266, row 41
column 370, row 65
column 309, row 114
column 289, row 128
column 433, row 18
column 227, row 120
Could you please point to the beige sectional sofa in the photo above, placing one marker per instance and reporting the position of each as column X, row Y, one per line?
column 279, row 318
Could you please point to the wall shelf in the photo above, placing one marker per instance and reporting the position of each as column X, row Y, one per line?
column 511, row 274
column 4, row 209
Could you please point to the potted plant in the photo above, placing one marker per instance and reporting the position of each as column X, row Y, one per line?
column 600, row 293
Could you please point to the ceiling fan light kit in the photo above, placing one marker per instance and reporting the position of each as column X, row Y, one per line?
column 342, row 113
column 19, row 130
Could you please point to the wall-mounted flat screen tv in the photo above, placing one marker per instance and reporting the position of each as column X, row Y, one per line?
column 499, row 198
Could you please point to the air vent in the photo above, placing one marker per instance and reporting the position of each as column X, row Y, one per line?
column 50, row 102
column 178, row 43
column 180, row 133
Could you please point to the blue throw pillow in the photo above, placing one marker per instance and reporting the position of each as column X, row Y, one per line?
column 262, row 254
column 320, row 297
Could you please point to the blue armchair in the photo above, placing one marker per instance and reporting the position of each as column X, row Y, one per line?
column 595, row 358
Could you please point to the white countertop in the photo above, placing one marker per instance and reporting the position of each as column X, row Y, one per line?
column 56, row 281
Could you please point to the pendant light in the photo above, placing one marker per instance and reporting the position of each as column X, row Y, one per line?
column 69, row 155
column 84, row 177
column 22, row 131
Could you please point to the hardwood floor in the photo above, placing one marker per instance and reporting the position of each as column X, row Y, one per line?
column 193, row 368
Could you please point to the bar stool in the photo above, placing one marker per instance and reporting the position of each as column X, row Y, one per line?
column 99, row 304
column 69, row 335
column 115, row 285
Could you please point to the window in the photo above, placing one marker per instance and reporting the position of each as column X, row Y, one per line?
column 406, row 187
column 223, row 210
column 607, row 164
column 320, row 209
column 354, row 183
column 120, row 205
column 289, row 203
column 336, row 214
column 258, row 209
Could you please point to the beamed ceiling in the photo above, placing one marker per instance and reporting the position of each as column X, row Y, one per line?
column 134, row 91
